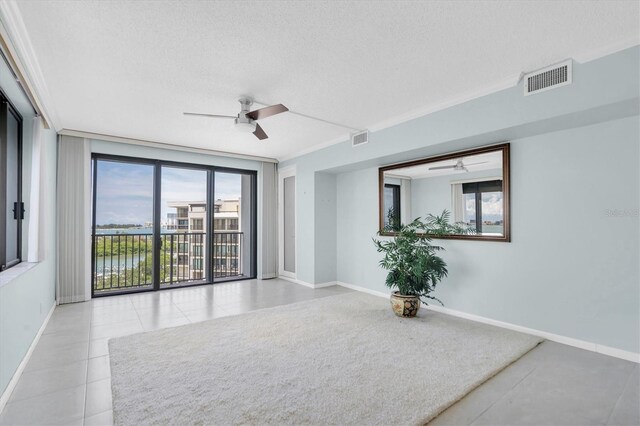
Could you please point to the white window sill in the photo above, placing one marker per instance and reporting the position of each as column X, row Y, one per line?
column 14, row 272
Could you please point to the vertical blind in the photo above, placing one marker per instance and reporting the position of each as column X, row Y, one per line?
column 73, row 273
column 269, row 221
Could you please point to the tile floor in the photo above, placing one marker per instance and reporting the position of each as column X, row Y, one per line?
column 67, row 380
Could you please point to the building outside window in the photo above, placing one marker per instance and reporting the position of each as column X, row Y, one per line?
column 191, row 219
column 197, row 264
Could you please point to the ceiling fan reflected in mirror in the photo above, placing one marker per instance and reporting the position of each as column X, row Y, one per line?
column 459, row 166
column 245, row 121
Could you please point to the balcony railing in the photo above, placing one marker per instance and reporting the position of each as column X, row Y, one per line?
column 124, row 261
column 182, row 258
column 227, row 254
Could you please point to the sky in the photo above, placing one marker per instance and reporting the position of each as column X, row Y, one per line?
column 124, row 191
column 492, row 206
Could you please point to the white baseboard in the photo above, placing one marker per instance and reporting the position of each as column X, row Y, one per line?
column 589, row 346
column 306, row 284
column 327, row 284
column 16, row 376
column 364, row 289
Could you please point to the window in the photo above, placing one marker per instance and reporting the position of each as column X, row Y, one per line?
column 11, row 205
column 483, row 206
column 233, row 224
column 166, row 241
column 392, row 206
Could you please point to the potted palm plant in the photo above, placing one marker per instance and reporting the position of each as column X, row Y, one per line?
column 413, row 262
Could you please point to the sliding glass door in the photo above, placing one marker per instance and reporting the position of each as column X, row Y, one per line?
column 233, row 225
column 123, row 226
column 160, row 225
column 183, row 230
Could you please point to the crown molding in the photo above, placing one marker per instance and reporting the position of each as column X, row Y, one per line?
column 15, row 34
column 162, row 145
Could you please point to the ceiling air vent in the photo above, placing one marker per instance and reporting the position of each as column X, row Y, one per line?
column 359, row 138
column 548, row 78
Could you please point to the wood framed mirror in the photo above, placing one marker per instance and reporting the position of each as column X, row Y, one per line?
column 468, row 190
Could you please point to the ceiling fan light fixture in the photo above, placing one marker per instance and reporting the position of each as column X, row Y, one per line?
column 246, row 126
column 245, row 121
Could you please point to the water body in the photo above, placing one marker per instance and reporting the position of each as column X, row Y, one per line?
column 115, row 265
column 144, row 231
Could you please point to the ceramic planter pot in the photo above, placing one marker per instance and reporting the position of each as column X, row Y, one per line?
column 404, row 306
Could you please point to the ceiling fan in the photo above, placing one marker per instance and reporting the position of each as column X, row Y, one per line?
column 459, row 166
column 246, row 120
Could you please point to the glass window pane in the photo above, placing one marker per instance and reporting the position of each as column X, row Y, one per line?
column 391, row 206
column 183, row 205
column 12, row 225
column 124, row 226
column 469, row 205
column 233, row 221
column 492, row 213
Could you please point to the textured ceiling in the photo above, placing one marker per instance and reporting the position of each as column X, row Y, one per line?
column 130, row 69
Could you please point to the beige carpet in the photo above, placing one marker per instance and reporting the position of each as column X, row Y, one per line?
column 338, row 360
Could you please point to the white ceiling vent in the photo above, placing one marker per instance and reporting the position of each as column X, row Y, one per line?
column 359, row 138
column 548, row 78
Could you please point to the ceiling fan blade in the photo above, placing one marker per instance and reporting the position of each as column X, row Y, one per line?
column 442, row 167
column 265, row 112
column 259, row 133
column 209, row 115
column 473, row 164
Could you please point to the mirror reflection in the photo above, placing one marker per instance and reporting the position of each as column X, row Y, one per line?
column 467, row 190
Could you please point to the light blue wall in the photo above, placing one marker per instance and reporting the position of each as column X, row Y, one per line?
column 325, row 227
column 602, row 90
column 570, row 270
column 26, row 300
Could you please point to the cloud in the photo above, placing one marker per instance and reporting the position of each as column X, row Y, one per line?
column 124, row 191
column 492, row 204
